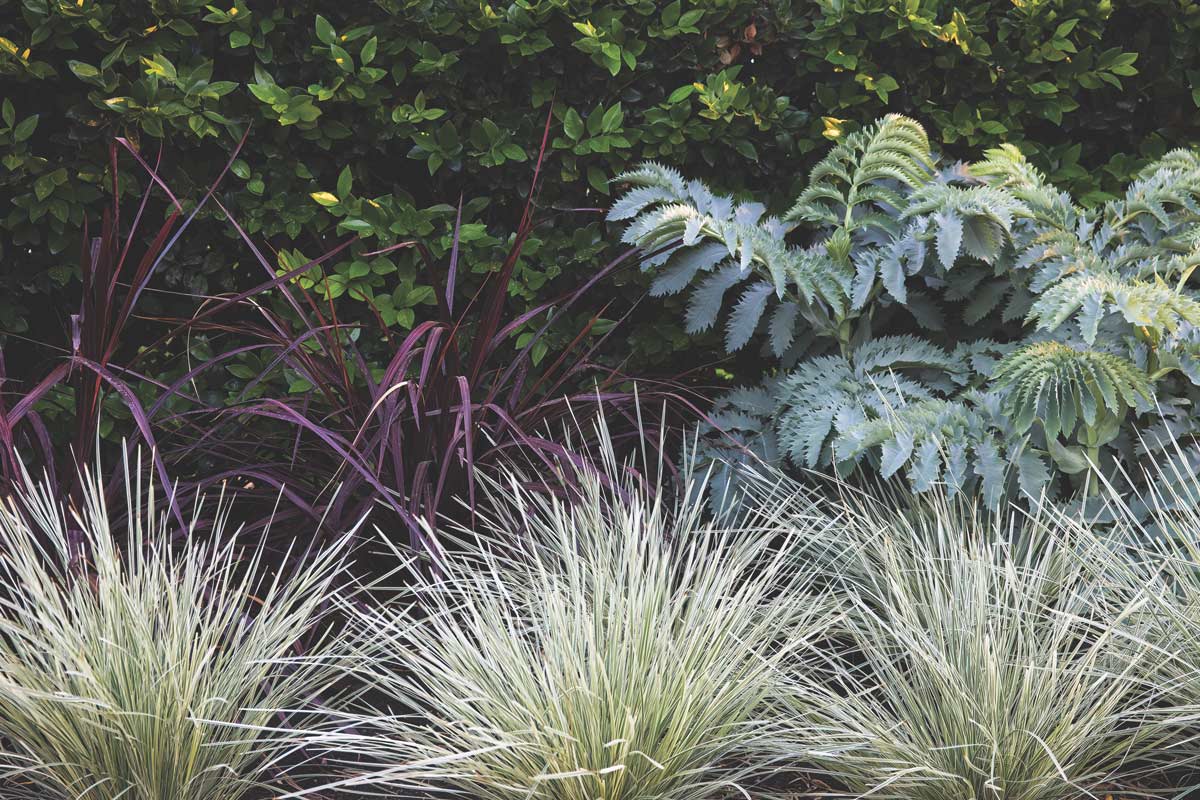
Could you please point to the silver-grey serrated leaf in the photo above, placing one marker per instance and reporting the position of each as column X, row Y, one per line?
column 635, row 200
column 891, row 271
column 749, row 213
column 956, row 467
column 1090, row 313
column 746, row 314
column 949, row 236
column 758, row 400
column 982, row 238
column 705, row 302
column 783, row 326
column 925, row 311
column 895, row 453
column 984, row 300
column 684, row 266
column 1032, row 473
column 866, row 268
column 990, row 467
column 926, row 467
column 810, row 442
column 745, row 254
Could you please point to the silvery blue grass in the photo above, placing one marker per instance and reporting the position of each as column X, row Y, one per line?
column 626, row 650
column 145, row 671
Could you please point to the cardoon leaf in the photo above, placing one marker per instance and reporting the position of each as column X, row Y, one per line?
column 926, row 466
column 745, row 316
column 783, row 326
column 1032, row 473
column 705, row 301
column 683, row 267
column 895, row 453
column 949, row 236
column 990, row 467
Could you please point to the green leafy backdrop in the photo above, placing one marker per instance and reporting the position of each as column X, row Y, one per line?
column 375, row 118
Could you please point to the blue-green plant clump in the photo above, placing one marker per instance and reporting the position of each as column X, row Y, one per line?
column 965, row 325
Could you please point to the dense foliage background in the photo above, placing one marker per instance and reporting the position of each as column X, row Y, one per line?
column 375, row 118
column 351, row 260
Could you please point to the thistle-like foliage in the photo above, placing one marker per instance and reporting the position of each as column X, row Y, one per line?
column 899, row 404
column 854, row 197
column 866, row 169
column 1088, row 297
column 1064, row 388
column 963, row 445
column 626, row 653
column 1007, row 168
column 872, row 210
column 725, row 245
column 830, row 394
column 143, row 671
column 976, row 666
column 1115, row 258
column 1093, row 303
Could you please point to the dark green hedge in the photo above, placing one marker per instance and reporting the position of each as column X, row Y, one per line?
column 376, row 117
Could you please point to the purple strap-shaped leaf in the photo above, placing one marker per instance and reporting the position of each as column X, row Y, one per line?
column 452, row 272
column 134, row 406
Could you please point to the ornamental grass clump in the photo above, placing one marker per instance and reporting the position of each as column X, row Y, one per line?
column 1158, row 568
column 624, row 649
column 132, row 668
column 982, row 660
